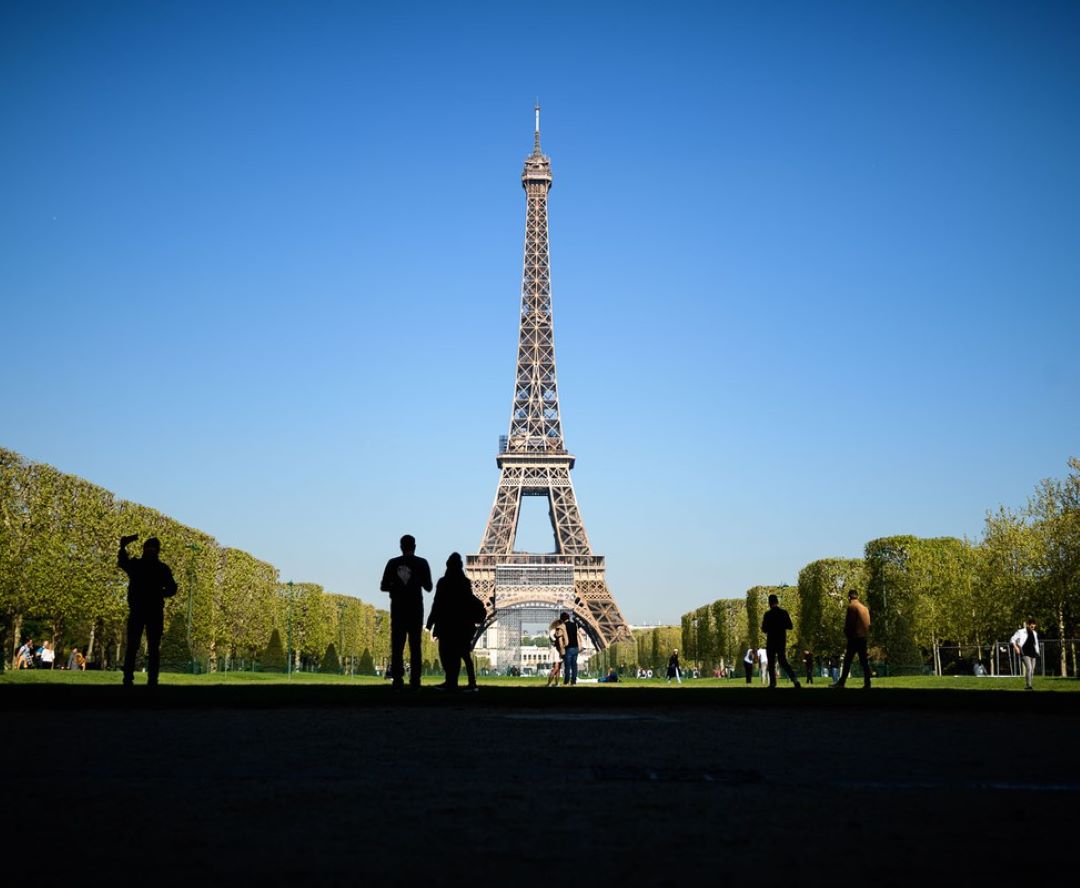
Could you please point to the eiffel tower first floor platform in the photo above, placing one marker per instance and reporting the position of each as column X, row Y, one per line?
column 574, row 583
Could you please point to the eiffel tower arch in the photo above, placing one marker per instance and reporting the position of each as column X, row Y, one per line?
column 533, row 461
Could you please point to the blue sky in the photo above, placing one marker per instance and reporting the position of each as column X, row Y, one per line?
column 815, row 271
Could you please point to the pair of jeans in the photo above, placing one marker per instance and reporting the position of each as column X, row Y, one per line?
column 153, row 621
column 1029, row 670
column 406, row 622
column 778, row 654
column 855, row 646
column 570, row 666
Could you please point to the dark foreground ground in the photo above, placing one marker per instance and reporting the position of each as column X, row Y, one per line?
column 525, row 787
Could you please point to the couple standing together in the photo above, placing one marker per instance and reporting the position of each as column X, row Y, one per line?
column 455, row 614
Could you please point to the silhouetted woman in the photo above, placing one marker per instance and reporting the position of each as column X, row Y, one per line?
column 451, row 622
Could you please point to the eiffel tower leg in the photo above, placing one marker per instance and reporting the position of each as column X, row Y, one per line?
column 502, row 525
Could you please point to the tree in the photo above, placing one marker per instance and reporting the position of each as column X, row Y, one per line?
column 273, row 658
column 330, row 664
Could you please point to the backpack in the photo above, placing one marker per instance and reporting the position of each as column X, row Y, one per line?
column 475, row 611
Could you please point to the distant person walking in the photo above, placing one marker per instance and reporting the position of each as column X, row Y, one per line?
column 150, row 582
column 48, row 655
column 452, row 622
column 808, row 662
column 406, row 578
column 857, row 629
column 571, row 655
column 559, row 640
column 1025, row 642
column 748, row 664
column 775, row 624
column 673, row 671
column 763, row 665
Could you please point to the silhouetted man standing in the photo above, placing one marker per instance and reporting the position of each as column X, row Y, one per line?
column 775, row 624
column 406, row 578
column 150, row 583
column 856, row 628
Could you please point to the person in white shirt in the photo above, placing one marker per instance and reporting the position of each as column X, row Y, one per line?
column 48, row 655
column 748, row 664
column 1025, row 642
column 763, row 665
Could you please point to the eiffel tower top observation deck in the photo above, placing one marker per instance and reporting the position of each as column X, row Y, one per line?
column 533, row 461
column 535, row 425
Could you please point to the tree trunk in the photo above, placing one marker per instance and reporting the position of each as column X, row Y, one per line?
column 90, row 644
column 16, row 632
column 1061, row 639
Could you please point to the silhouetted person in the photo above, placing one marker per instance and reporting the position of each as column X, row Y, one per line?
column 775, row 624
column 808, row 662
column 570, row 657
column 150, row 583
column 406, row 578
column 673, row 671
column 1025, row 642
column 451, row 622
column 857, row 629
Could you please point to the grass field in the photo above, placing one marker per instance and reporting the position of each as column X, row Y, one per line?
column 240, row 679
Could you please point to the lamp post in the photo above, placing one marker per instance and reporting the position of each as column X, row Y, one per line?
column 888, row 556
column 194, row 549
column 288, row 632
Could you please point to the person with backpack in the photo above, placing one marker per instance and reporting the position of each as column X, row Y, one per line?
column 1025, row 642
column 453, row 621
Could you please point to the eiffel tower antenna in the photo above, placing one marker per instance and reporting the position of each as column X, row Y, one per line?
column 533, row 461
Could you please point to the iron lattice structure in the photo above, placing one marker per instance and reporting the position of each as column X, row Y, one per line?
column 533, row 461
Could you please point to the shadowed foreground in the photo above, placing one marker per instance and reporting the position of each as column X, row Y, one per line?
column 285, row 785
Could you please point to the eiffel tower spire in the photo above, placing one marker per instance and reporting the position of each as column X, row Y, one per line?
column 533, row 460
column 535, row 425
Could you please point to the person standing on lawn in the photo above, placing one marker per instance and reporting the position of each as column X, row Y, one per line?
column 857, row 629
column 150, row 582
column 1025, row 642
column 775, row 624
column 406, row 578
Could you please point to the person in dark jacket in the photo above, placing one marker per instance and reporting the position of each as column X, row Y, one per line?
column 673, row 670
column 406, row 578
column 808, row 662
column 451, row 622
column 775, row 625
column 150, row 583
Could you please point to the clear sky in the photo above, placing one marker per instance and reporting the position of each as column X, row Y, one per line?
column 816, row 271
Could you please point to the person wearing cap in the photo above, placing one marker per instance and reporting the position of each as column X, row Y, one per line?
column 775, row 624
column 1025, row 642
column 150, row 582
column 857, row 629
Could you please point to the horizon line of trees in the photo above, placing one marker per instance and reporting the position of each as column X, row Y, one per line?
column 924, row 594
column 59, row 581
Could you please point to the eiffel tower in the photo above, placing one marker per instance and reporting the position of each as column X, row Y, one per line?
column 533, row 461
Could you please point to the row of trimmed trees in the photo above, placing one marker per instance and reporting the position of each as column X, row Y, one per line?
column 59, row 581
column 925, row 594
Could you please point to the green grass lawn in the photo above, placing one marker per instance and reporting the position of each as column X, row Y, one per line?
column 239, row 679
